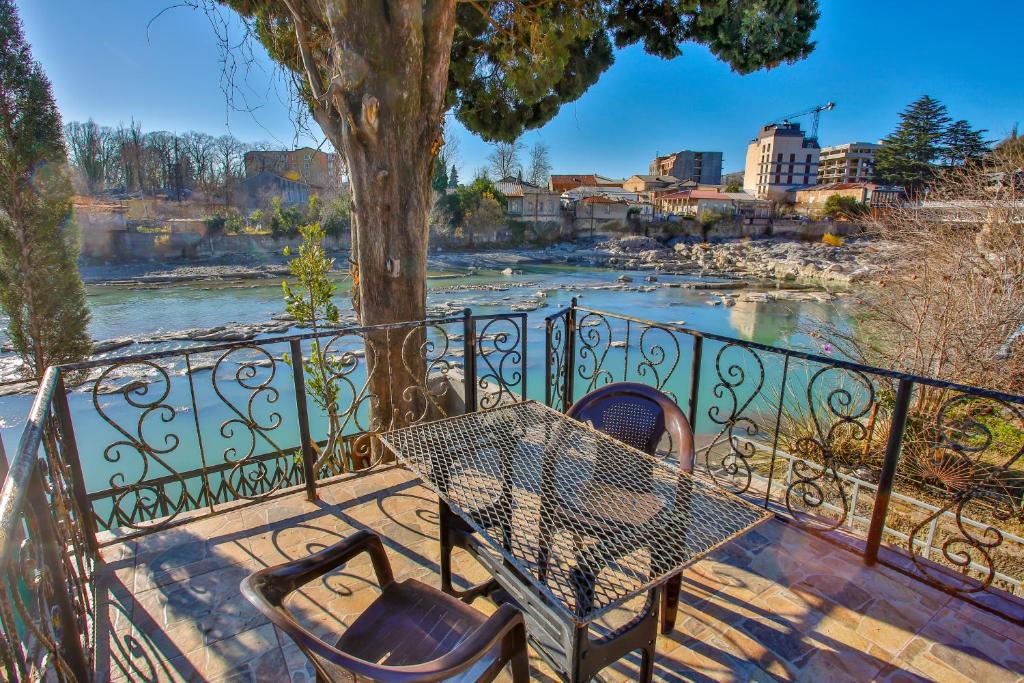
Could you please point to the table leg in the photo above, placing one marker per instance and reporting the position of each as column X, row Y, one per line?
column 670, row 603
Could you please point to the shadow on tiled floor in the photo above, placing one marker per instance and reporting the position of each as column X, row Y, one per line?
column 777, row 604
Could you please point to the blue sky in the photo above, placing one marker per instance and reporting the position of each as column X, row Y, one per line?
column 872, row 59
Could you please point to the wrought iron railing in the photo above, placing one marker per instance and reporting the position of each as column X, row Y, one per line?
column 921, row 475
column 47, row 601
column 174, row 435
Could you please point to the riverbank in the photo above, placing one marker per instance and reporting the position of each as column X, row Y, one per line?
column 857, row 260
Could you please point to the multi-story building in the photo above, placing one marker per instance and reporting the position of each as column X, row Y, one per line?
column 853, row 162
column 319, row 170
column 780, row 158
column 700, row 167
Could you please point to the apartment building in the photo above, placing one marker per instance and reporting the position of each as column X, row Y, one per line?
column 700, row 167
column 319, row 170
column 780, row 158
column 853, row 162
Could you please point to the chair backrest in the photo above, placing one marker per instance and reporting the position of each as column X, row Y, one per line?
column 637, row 415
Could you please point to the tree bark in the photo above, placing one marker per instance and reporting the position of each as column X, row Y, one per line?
column 382, row 105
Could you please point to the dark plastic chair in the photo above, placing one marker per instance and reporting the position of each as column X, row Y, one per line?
column 639, row 416
column 411, row 632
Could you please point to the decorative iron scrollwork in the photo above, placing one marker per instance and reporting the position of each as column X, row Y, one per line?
column 659, row 357
column 732, row 470
column 556, row 349
column 145, row 387
column 425, row 357
column 250, row 477
column 968, row 459
column 499, row 346
column 594, row 333
column 832, row 448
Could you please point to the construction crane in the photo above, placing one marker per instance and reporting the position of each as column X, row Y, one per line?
column 816, row 112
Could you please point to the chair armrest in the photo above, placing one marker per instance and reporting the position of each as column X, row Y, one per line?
column 274, row 583
column 505, row 626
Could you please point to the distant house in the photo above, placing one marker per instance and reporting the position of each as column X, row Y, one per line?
column 258, row 190
column 643, row 183
column 529, row 202
column 696, row 202
column 563, row 183
column 595, row 212
column 812, row 198
column 318, row 170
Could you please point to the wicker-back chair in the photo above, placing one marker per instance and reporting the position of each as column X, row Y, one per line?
column 639, row 416
column 411, row 632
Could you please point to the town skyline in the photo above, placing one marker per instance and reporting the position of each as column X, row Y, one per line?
column 716, row 110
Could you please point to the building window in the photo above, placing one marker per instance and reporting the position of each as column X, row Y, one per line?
column 789, row 179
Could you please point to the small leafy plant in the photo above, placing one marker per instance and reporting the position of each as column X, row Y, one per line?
column 310, row 301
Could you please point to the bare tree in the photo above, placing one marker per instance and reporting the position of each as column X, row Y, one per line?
column 952, row 300
column 128, row 145
column 159, row 161
column 88, row 151
column 230, row 153
column 200, row 150
column 505, row 160
column 540, row 164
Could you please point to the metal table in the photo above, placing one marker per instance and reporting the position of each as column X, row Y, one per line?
column 571, row 524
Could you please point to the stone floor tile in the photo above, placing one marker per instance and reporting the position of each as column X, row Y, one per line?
column 778, row 604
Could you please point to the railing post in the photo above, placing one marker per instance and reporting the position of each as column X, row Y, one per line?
column 469, row 360
column 570, row 355
column 51, row 558
column 69, row 449
column 880, row 511
column 548, row 324
column 308, row 457
column 698, row 350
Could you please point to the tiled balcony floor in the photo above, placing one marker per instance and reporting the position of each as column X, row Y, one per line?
column 776, row 604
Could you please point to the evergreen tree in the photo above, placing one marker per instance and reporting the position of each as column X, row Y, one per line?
column 964, row 145
column 908, row 156
column 440, row 180
column 40, row 288
column 379, row 78
column 453, row 178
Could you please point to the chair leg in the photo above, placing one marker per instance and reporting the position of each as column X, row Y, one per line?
column 520, row 667
column 670, row 603
column 446, row 548
column 647, row 655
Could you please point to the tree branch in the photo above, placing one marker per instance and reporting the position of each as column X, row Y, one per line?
column 302, row 36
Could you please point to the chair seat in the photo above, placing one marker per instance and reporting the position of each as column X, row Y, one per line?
column 412, row 623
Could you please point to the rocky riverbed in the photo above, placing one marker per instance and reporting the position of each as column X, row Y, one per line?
column 856, row 261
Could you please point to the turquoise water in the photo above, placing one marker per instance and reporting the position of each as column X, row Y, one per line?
column 142, row 312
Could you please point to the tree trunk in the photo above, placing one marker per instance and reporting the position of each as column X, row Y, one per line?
column 382, row 106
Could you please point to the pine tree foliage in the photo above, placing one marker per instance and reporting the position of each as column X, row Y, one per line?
column 908, row 156
column 926, row 140
column 965, row 145
column 380, row 78
column 40, row 288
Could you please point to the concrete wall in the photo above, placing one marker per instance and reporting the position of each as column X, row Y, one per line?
column 139, row 246
column 730, row 229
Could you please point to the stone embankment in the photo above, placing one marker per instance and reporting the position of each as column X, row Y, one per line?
column 856, row 261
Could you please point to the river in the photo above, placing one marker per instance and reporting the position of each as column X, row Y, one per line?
column 147, row 312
